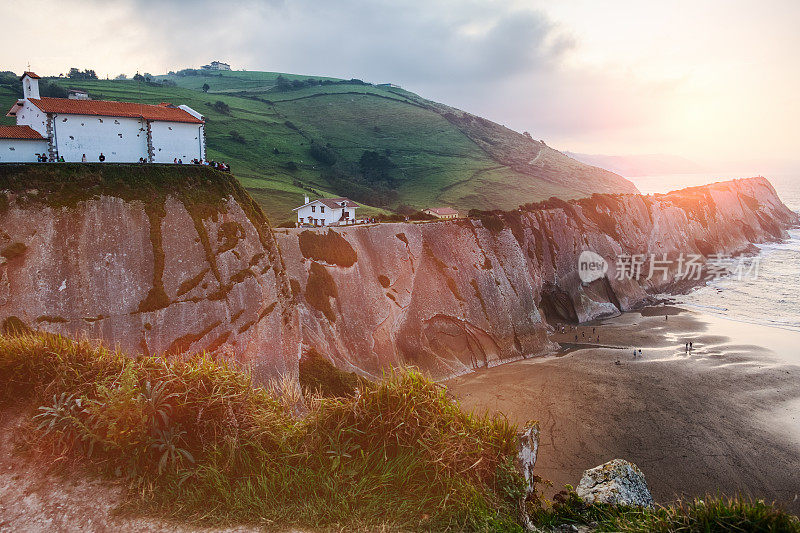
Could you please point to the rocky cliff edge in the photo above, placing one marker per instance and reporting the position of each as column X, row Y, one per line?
column 166, row 260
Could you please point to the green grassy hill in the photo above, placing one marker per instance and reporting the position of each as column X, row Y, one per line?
column 290, row 139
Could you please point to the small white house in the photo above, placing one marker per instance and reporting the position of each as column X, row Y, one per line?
column 326, row 212
column 442, row 212
column 123, row 132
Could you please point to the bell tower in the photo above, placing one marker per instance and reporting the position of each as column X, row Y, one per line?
column 30, row 86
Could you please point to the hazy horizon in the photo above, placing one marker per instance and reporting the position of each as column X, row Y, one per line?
column 715, row 83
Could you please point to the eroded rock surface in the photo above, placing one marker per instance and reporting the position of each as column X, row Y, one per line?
column 454, row 296
column 186, row 271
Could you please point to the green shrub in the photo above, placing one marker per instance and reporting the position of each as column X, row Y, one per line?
column 318, row 374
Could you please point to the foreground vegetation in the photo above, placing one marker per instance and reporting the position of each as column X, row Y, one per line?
column 197, row 441
column 700, row 515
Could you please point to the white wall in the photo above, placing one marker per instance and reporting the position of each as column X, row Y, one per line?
column 30, row 115
column 30, row 87
column 21, row 150
column 121, row 140
column 76, row 135
column 176, row 139
column 326, row 218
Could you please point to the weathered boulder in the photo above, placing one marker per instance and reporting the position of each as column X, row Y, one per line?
column 616, row 482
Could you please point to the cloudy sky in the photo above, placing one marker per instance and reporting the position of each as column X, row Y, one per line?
column 713, row 80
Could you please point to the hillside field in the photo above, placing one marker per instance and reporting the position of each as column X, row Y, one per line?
column 424, row 154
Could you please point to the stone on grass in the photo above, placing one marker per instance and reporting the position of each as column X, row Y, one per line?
column 616, row 482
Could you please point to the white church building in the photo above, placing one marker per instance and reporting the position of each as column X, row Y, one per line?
column 123, row 132
column 326, row 212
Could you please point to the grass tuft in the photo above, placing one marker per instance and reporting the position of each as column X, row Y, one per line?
column 701, row 515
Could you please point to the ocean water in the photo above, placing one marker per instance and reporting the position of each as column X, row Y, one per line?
column 772, row 297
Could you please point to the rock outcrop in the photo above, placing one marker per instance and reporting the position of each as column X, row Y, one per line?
column 616, row 482
column 155, row 260
column 166, row 260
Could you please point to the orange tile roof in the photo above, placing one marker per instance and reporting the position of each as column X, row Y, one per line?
column 106, row 108
column 335, row 203
column 19, row 132
column 30, row 75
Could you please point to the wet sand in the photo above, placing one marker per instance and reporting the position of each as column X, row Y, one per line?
column 724, row 417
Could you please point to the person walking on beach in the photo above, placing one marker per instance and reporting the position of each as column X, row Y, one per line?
column 690, row 346
column 640, row 352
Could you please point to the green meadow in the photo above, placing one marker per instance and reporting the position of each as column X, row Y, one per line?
column 430, row 160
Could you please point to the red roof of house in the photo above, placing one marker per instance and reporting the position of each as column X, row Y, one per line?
column 333, row 203
column 30, row 75
column 104, row 108
column 19, row 132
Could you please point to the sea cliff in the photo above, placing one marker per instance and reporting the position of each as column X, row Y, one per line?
column 169, row 261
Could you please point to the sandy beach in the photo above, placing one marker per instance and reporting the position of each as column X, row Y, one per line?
column 724, row 417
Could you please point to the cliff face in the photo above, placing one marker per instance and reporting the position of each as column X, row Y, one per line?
column 154, row 261
column 185, row 262
column 454, row 296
